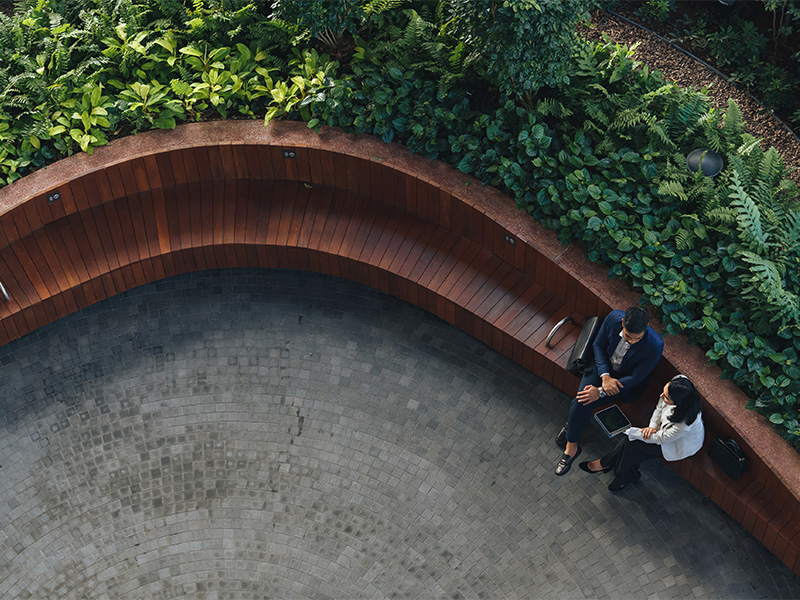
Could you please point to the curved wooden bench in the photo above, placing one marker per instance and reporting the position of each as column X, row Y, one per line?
column 237, row 194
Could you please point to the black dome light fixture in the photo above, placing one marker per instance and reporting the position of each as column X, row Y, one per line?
column 705, row 160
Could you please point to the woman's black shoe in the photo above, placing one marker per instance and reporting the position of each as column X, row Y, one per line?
column 585, row 467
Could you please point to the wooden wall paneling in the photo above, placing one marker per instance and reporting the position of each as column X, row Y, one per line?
column 287, row 211
column 451, row 244
column 522, row 326
column 347, row 173
column 252, row 161
column 202, row 207
column 398, row 189
column 436, row 273
column 21, row 225
column 346, row 231
column 20, row 267
column 76, row 239
column 136, row 232
column 212, row 154
column 142, row 181
column 224, row 210
column 511, row 281
column 463, row 272
column 411, row 249
column 253, row 191
column 77, row 192
column 298, row 216
column 372, row 218
column 446, row 202
column 311, row 233
column 159, row 168
column 433, row 253
column 316, row 174
column 301, row 167
column 179, row 214
column 265, row 198
column 100, row 239
column 282, row 168
column 270, row 213
column 532, row 264
column 483, row 285
column 265, row 161
column 21, row 291
column 388, row 246
column 39, row 212
column 60, row 268
column 228, row 159
column 162, row 229
column 409, row 195
column 120, row 251
column 240, row 190
column 175, row 168
column 379, row 190
column 341, row 176
column 8, row 230
column 146, row 207
column 472, row 222
column 360, row 169
column 553, row 312
column 328, row 173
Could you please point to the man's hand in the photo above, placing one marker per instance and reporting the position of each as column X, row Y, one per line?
column 612, row 386
column 588, row 394
column 647, row 432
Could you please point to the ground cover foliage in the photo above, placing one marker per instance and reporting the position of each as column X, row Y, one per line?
column 586, row 140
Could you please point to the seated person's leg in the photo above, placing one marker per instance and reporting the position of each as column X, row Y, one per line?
column 580, row 416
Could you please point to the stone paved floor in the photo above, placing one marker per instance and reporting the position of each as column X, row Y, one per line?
column 256, row 434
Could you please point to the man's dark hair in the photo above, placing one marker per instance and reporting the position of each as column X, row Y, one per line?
column 635, row 320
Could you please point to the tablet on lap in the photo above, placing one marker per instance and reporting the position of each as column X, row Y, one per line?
column 612, row 420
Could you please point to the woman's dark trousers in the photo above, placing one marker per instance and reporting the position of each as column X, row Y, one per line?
column 626, row 457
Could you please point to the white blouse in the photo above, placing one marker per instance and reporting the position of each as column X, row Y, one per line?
column 677, row 440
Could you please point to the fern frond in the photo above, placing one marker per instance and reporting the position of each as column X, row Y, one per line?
column 722, row 215
column 684, row 239
column 674, row 189
column 748, row 217
column 733, row 124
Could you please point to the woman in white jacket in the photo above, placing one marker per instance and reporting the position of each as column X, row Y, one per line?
column 675, row 432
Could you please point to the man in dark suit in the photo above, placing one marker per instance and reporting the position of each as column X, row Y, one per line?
column 626, row 350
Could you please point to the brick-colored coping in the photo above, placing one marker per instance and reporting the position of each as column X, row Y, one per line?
column 237, row 194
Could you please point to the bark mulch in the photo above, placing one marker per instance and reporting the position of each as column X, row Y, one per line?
column 685, row 71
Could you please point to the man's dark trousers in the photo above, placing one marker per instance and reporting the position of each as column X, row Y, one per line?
column 581, row 414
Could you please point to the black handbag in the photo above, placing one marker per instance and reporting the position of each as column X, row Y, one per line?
column 729, row 456
column 580, row 360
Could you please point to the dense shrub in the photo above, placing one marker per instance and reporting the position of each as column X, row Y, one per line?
column 601, row 160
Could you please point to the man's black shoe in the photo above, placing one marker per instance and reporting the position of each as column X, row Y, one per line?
column 566, row 462
column 561, row 438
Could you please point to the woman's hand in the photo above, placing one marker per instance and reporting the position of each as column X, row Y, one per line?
column 647, row 432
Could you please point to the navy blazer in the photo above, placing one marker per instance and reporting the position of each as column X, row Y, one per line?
column 640, row 359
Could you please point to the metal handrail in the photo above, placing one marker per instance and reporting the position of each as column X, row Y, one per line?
column 554, row 329
column 4, row 293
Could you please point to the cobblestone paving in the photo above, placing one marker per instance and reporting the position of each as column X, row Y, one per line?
column 256, row 434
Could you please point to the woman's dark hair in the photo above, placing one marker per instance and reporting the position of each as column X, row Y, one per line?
column 686, row 399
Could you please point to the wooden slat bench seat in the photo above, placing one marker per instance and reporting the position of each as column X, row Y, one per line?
column 224, row 194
